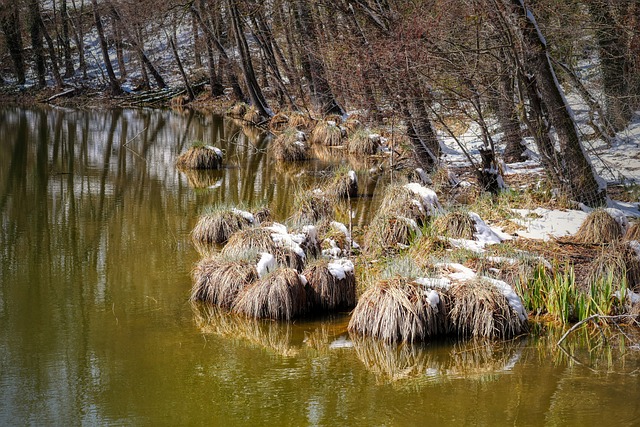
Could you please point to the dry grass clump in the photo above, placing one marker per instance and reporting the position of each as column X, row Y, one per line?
column 290, row 146
column 238, row 110
column 262, row 214
column 479, row 309
column 618, row 262
column 362, row 142
column 200, row 156
column 301, row 121
column 457, row 225
column 343, row 185
column 327, row 133
column 599, row 227
column 389, row 231
column 218, row 225
column 353, row 124
column 279, row 295
column 329, row 291
column 400, row 201
column 258, row 239
column 218, row 281
column 397, row 310
column 252, row 116
column 313, row 206
column 279, row 122
column 633, row 232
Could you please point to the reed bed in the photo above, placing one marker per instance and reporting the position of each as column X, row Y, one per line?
column 456, row 225
column 312, row 207
column 361, row 142
column 328, row 133
column 620, row 263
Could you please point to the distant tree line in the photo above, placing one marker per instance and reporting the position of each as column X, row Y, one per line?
column 423, row 61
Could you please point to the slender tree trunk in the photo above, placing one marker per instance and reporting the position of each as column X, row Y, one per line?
column 113, row 81
column 613, row 63
column 507, row 116
column 197, row 51
column 36, row 41
column 257, row 98
column 577, row 172
column 66, row 44
column 10, row 21
column 321, row 94
column 225, row 62
column 192, row 96
column 78, row 35
column 52, row 55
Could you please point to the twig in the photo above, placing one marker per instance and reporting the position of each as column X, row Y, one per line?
column 134, row 137
column 593, row 317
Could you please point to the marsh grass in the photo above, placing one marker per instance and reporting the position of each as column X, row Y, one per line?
column 290, row 146
column 327, row 292
column 218, row 280
column 360, row 142
column 599, row 227
column 327, row 133
column 199, row 156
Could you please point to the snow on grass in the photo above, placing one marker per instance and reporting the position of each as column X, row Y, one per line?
column 428, row 197
column 456, row 271
column 512, row 297
column 266, row 264
column 338, row 226
column 340, row 268
column 282, row 238
column 246, row 215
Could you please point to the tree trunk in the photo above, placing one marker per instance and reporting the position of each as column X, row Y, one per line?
column 66, row 45
column 37, row 47
column 576, row 170
column 52, row 55
column 257, row 98
column 192, row 96
column 10, row 21
column 78, row 35
column 613, row 63
column 225, row 62
column 321, row 95
column 507, row 116
column 113, row 81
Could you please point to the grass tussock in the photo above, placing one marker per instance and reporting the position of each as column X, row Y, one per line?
column 218, row 281
column 397, row 310
column 238, row 110
column 279, row 295
column 619, row 262
column 256, row 240
column 362, row 142
column 217, row 226
column 329, row 289
column 343, row 185
column 327, row 133
column 301, row 121
column 290, row 146
column 252, row 115
column 200, row 156
column 456, row 225
column 390, row 232
column 279, row 122
column 312, row 207
column 599, row 227
column 633, row 232
column 480, row 310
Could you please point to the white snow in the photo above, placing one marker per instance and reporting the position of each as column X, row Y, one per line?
column 215, row 150
column 340, row 268
column 434, row 282
column 434, row 298
column 512, row 297
column 338, row 226
column 429, row 198
column 334, row 251
column 542, row 223
column 457, row 271
column 352, row 177
column 620, row 218
column 303, row 279
column 246, row 215
column 485, row 234
column 423, row 176
column 341, row 342
column 266, row 264
column 282, row 238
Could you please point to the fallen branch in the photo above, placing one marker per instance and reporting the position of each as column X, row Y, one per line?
column 598, row 317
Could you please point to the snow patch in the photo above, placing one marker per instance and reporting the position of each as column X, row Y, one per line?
column 340, row 268
column 512, row 297
column 266, row 264
column 246, row 215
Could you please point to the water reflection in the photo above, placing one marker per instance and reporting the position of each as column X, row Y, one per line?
column 95, row 327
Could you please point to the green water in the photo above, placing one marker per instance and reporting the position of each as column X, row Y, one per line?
column 96, row 329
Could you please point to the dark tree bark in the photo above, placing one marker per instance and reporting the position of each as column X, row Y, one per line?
column 225, row 62
column 66, row 44
column 113, row 81
column 78, row 35
column 575, row 171
column 613, row 64
column 35, row 29
column 10, row 21
column 321, row 95
column 507, row 116
column 257, row 98
column 52, row 55
column 192, row 96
